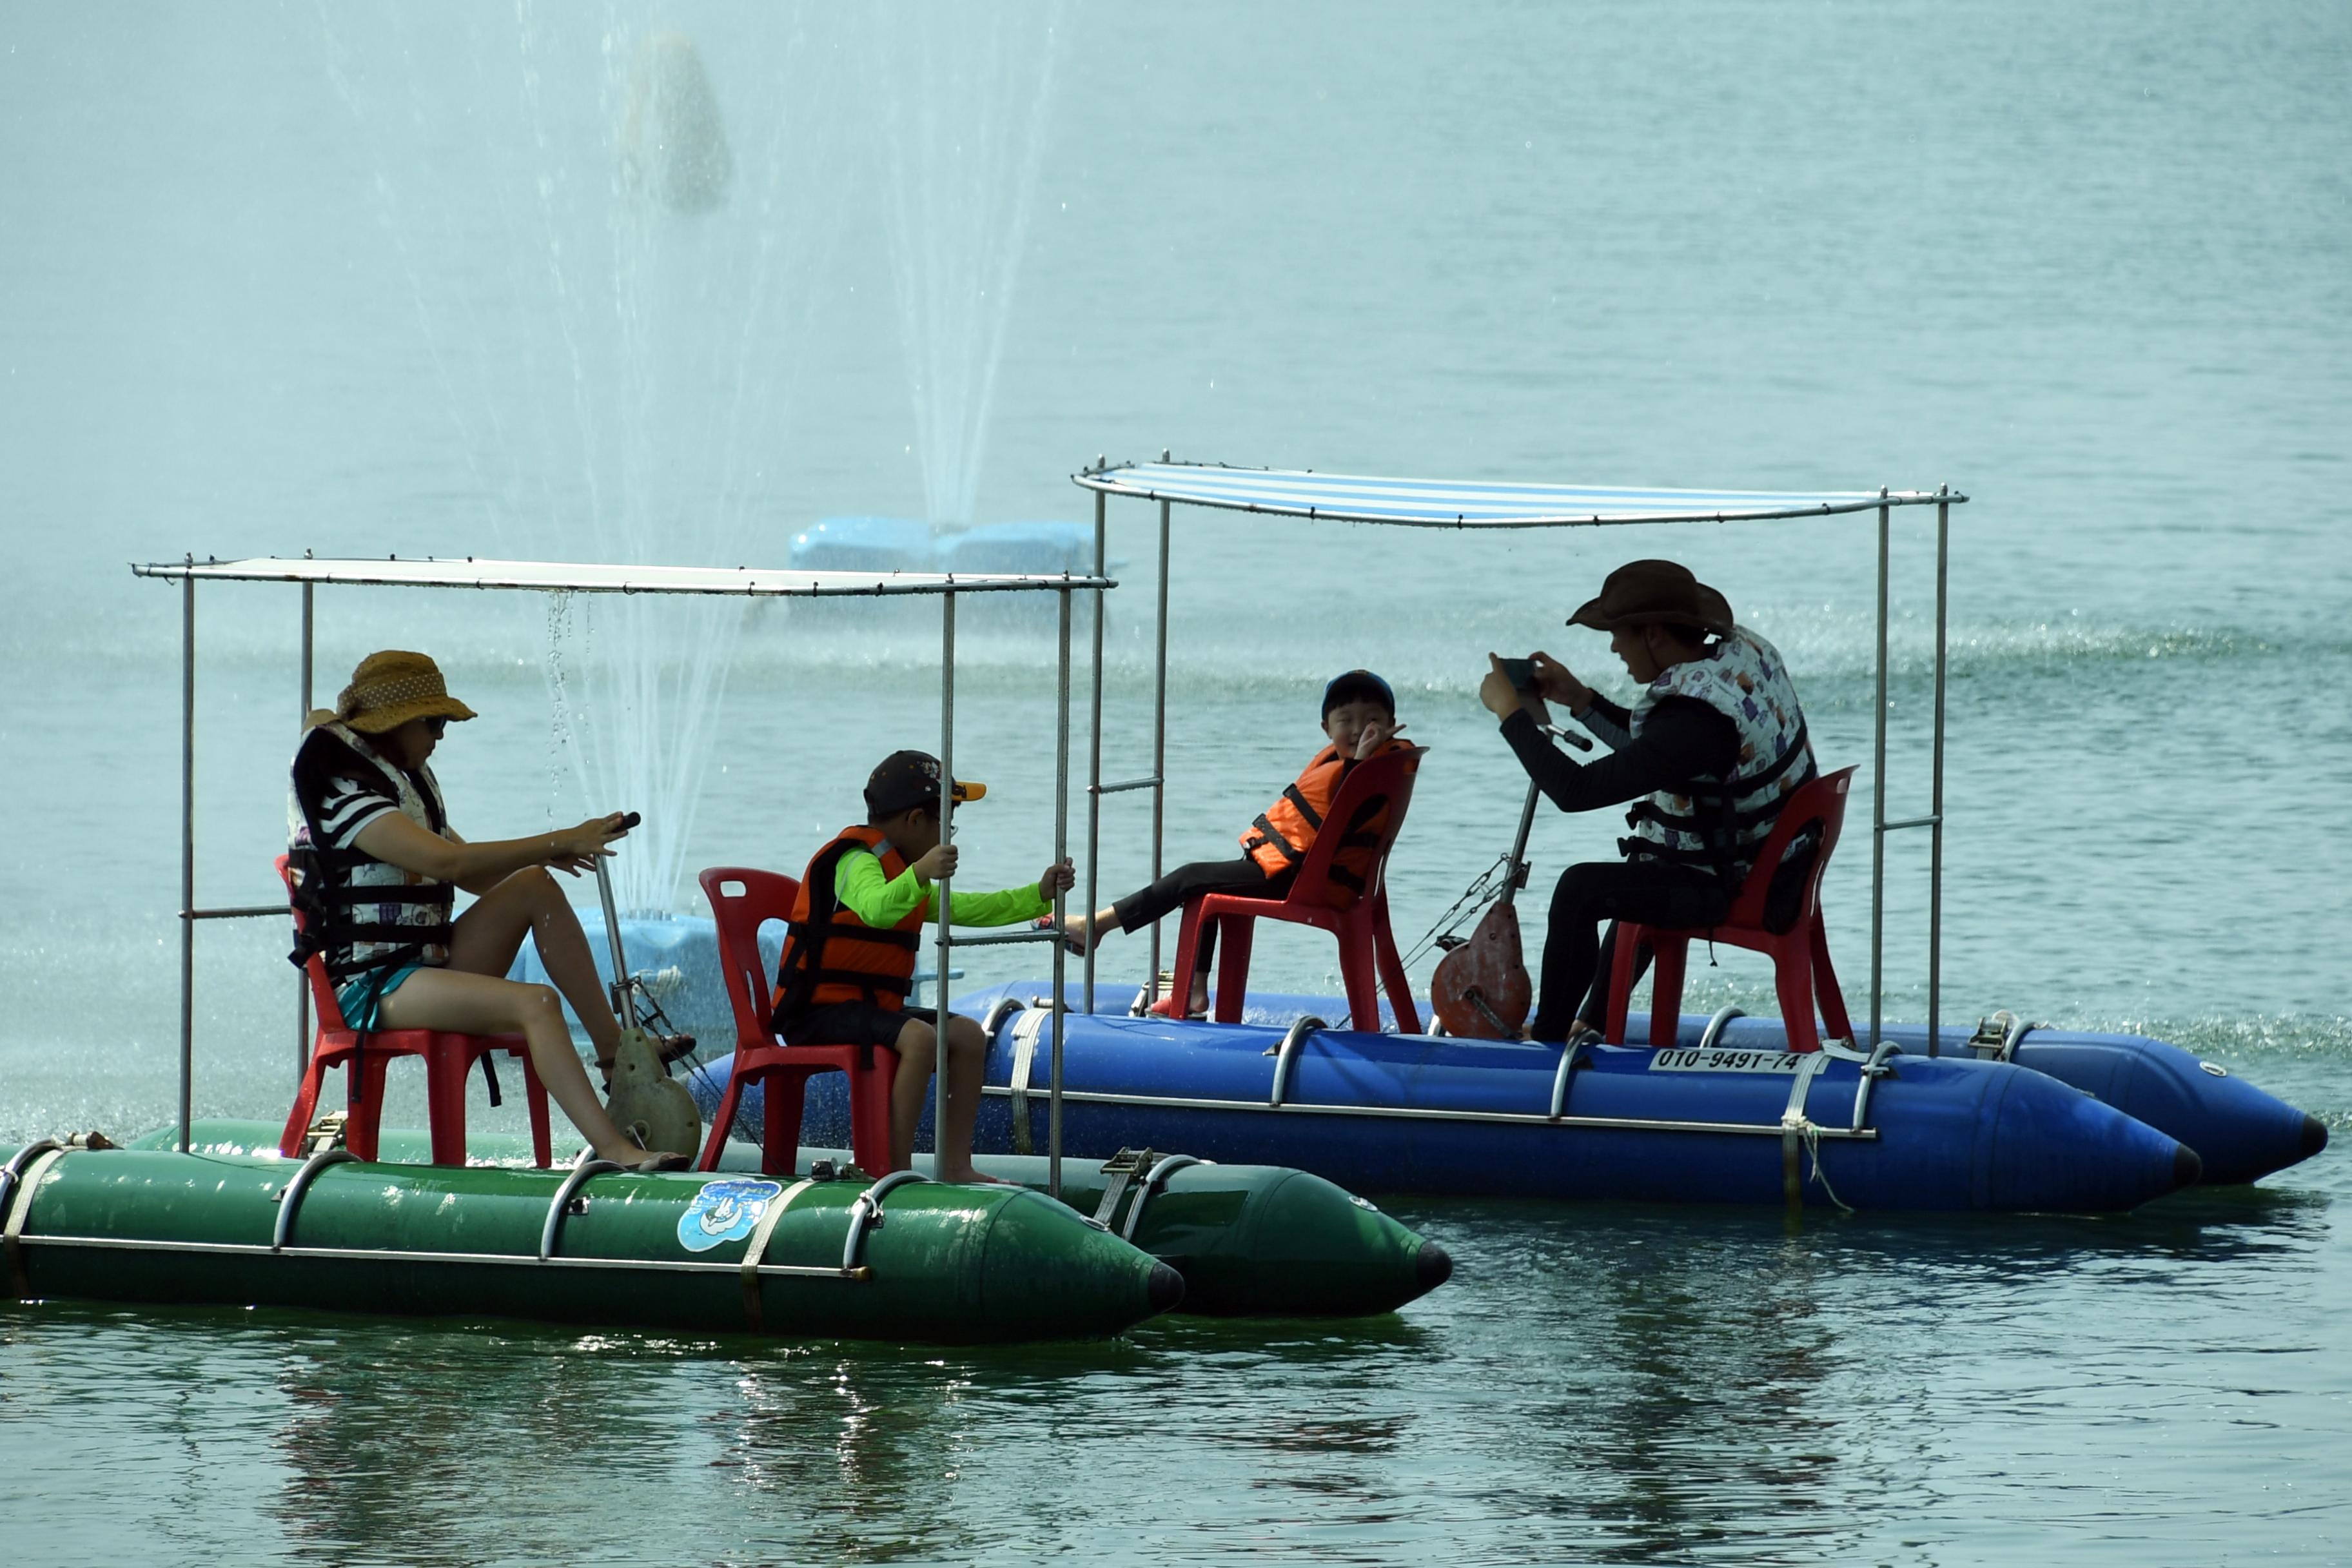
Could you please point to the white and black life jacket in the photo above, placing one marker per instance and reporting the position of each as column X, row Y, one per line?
column 362, row 914
column 1718, row 825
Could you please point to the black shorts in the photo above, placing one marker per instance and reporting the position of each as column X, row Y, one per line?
column 853, row 1024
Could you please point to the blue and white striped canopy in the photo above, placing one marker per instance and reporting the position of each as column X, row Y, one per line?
column 1443, row 503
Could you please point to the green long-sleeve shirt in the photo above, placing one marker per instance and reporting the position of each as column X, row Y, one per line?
column 882, row 901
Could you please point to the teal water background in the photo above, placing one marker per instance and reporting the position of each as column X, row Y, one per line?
column 2091, row 265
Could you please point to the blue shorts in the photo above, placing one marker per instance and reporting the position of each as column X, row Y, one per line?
column 362, row 999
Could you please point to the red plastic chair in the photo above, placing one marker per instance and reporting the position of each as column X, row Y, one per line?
column 1800, row 955
column 760, row 1056
column 1360, row 921
column 447, row 1056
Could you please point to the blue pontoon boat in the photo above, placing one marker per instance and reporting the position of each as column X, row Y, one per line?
column 1903, row 1116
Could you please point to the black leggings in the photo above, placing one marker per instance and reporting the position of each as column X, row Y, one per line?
column 1245, row 875
column 1577, row 960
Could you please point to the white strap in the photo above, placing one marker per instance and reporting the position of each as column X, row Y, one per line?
column 29, row 1185
column 1025, row 1030
column 760, row 1235
column 1795, row 1126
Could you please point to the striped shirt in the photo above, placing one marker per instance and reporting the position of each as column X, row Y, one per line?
column 343, row 784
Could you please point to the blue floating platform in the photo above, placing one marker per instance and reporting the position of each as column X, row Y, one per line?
column 1387, row 1113
column 2236, row 1130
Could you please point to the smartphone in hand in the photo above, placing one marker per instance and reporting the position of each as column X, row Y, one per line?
column 1520, row 673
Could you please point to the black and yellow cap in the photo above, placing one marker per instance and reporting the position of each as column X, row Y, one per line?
column 905, row 780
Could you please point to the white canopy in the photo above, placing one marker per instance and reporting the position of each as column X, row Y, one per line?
column 1444, row 504
column 558, row 577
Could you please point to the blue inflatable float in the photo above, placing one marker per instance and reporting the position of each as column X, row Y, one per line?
column 2239, row 1132
column 1388, row 1114
column 1384, row 1113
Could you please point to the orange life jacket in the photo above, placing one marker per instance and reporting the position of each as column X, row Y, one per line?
column 1286, row 830
column 831, row 955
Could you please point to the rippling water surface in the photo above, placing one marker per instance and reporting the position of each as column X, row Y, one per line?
column 2091, row 263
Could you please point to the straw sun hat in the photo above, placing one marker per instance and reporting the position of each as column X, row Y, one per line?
column 391, row 688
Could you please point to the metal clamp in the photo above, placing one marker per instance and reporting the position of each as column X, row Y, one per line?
column 759, row 1245
column 1570, row 1055
column 998, row 1011
column 1119, row 1172
column 1998, row 1038
column 1287, row 1053
column 30, row 1163
column 290, row 1199
column 866, row 1211
column 573, row 1182
column 1150, row 1184
column 1874, row 1067
column 1712, row 1035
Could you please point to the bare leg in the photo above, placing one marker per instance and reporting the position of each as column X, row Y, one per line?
column 966, row 1063
column 910, row 1090
column 472, row 1003
column 528, row 903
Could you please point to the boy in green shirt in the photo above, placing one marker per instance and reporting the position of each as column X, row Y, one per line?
column 856, row 929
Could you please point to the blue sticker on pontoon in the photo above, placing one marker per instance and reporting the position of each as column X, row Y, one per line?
column 725, row 1211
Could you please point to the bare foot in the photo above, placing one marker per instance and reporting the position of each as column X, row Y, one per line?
column 632, row 1154
column 966, row 1176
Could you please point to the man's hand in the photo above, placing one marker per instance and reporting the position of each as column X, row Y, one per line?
column 1503, row 700
column 1374, row 736
column 1558, row 682
column 937, row 866
column 1058, row 878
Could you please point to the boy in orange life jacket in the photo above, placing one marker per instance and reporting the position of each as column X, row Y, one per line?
column 857, row 927
column 1359, row 719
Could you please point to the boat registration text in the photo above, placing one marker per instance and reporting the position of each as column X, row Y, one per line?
column 1680, row 1060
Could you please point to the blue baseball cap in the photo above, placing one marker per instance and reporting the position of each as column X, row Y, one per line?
column 1357, row 686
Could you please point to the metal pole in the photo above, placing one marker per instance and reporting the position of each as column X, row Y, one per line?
column 301, row 980
column 1936, row 844
column 1878, row 798
column 187, row 847
column 939, row 889
column 1160, row 739
column 1094, row 760
column 1061, row 953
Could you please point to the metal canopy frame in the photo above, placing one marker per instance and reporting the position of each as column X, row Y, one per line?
column 1487, row 505
column 557, row 577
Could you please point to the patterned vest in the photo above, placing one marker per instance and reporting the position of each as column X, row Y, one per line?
column 1717, row 825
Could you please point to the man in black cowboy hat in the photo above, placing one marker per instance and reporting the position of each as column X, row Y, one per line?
column 1706, row 753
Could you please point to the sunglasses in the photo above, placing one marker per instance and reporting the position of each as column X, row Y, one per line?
column 434, row 727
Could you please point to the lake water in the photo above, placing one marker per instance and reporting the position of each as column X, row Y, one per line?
column 272, row 281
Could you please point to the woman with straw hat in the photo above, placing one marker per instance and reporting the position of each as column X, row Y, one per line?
column 377, row 868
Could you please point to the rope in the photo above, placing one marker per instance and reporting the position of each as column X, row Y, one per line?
column 1483, row 890
column 1812, row 1136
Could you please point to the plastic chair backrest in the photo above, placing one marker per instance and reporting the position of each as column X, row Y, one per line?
column 757, row 897
column 1389, row 778
column 1820, row 800
column 324, row 1000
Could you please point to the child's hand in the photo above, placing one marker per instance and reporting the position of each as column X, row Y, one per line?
column 1058, row 878
column 1556, row 681
column 937, row 866
column 1375, row 735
